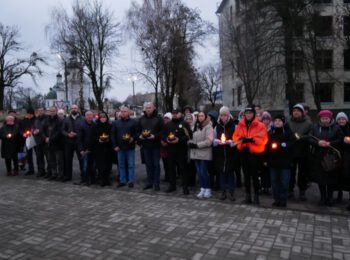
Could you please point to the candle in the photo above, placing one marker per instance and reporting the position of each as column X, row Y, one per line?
column 126, row 137
column 297, row 136
column 347, row 138
column 274, row 145
column 223, row 138
column 9, row 135
column 171, row 136
column 26, row 133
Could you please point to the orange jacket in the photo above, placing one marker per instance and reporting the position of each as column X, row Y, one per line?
column 257, row 131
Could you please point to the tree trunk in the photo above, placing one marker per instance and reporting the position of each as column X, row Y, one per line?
column 2, row 90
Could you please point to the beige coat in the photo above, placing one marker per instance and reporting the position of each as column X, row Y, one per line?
column 204, row 139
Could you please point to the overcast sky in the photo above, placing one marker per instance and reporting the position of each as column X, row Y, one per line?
column 31, row 16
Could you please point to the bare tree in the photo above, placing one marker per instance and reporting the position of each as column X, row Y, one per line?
column 27, row 97
column 91, row 34
column 210, row 79
column 166, row 32
column 13, row 69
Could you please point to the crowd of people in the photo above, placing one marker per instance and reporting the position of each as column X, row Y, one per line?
column 274, row 154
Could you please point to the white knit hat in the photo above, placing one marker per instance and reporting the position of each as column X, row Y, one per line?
column 300, row 107
column 168, row 115
column 225, row 110
column 341, row 115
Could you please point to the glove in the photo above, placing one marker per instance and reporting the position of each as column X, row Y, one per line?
column 284, row 145
column 229, row 142
column 216, row 142
column 247, row 140
column 193, row 146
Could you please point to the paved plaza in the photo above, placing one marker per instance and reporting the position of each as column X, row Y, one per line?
column 50, row 220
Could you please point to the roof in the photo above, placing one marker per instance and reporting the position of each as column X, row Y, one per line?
column 221, row 6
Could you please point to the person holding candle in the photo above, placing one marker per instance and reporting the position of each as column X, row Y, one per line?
column 251, row 136
column 280, row 159
column 225, row 154
column 102, row 147
column 325, row 135
column 123, row 140
column 265, row 184
column 10, row 137
column 201, row 152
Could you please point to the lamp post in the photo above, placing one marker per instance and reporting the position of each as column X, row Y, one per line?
column 133, row 78
column 65, row 78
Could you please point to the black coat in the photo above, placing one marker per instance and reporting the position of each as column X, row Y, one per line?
column 102, row 148
column 38, row 124
column 332, row 134
column 344, row 180
column 181, row 130
column 52, row 129
column 303, row 128
column 71, row 125
column 85, row 137
column 153, row 123
column 25, row 125
column 119, row 129
column 225, row 156
column 10, row 146
column 279, row 148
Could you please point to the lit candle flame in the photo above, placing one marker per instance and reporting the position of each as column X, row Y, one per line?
column 297, row 136
column 347, row 138
column 274, row 145
column 223, row 138
column 9, row 135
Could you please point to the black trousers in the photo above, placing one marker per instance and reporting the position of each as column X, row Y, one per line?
column 69, row 150
column 326, row 192
column 177, row 160
column 40, row 158
column 300, row 165
column 250, row 166
column 9, row 162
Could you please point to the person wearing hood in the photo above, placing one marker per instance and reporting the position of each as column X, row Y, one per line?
column 279, row 159
column 123, row 139
column 344, row 178
column 149, row 134
column 201, row 152
column 225, row 154
column 301, row 128
column 52, row 135
column 176, row 134
column 251, row 136
column 324, row 135
column 102, row 147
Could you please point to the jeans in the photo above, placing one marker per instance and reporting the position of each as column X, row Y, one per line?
column 280, row 183
column 69, row 150
column 202, row 171
column 152, row 158
column 129, row 156
column 88, row 168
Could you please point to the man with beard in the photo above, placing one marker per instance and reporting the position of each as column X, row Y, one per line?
column 69, row 131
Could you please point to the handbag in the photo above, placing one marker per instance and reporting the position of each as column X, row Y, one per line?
column 331, row 160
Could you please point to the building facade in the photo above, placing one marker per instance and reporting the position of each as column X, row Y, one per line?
column 331, row 62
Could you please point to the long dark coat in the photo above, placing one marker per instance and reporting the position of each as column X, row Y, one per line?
column 10, row 146
column 102, row 151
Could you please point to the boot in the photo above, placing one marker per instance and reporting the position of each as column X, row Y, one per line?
column 201, row 194
column 207, row 193
column 231, row 196
column 223, row 196
column 256, row 199
column 302, row 196
column 248, row 199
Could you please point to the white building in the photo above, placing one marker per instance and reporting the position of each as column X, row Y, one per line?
column 333, row 60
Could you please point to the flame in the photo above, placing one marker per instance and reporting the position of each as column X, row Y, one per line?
column 171, row 136
column 347, row 138
column 9, row 135
column 223, row 138
column 274, row 145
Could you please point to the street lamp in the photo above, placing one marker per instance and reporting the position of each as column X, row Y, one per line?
column 133, row 78
column 65, row 78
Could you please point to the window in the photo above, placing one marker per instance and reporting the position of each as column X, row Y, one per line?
column 233, row 97
column 346, row 91
column 346, row 25
column 326, row 92
column 298, row 60
column 299, row 92
column 324, row 59
column 323, row 25
column 347, row 59
column 239, row 95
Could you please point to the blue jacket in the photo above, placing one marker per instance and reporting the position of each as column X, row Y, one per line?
column 121, row 128
column 85, row 136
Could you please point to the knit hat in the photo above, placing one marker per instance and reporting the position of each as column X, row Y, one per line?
column 168, row 115
column 30, row 110
column 250, row 108
column 266, row 115
column 176, row 110
column 325, row 113
column 300, row 107
column 225, row 111
column 281, row 117
column 341, row 115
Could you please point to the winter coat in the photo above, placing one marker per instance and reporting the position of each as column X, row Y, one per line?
column 102, row 147
column 302, row 128
column 85, row 136
column 344, row 180
column 71, row 125
column 332, row 134
column 11, row 138
column 203, row 137
column 279, row 148
column 25, row 125
column 154, row 124
column 181, row 130
column 38, row 124
column 255, row 130
column 52, row 129
column 122, row 128
column 224, row 155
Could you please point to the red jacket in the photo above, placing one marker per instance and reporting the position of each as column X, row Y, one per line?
column 256, row 130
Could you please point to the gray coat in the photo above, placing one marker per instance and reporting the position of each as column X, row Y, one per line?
column 204, row 139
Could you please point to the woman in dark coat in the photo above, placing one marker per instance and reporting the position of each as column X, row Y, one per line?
column 280, row 159
column 323, row 135
column 102, row 147
column 11, row 140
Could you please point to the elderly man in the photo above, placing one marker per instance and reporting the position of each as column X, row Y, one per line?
column 123, row 139
column 85, row 145
column 69, row 131
column 149, row 135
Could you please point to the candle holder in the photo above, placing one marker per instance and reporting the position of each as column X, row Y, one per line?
column 146, row 133
column 171, row 136
column 126, row 137
column 104, row 137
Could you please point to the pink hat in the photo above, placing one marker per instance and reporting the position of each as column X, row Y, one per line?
column 325, row 113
